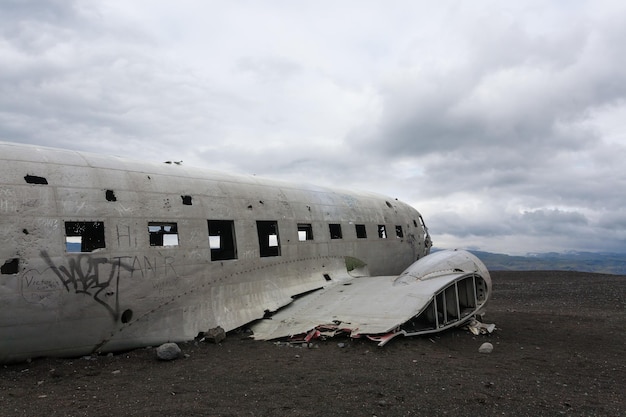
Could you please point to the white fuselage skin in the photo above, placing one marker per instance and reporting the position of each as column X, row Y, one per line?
column 144, row 273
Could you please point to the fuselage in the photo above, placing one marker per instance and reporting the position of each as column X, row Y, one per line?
column 102, row 253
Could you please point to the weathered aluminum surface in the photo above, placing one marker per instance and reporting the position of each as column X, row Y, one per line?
column 127, row 293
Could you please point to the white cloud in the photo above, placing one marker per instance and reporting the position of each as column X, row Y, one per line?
column 502, row 123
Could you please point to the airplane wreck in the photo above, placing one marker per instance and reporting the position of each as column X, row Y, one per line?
column 102, row 254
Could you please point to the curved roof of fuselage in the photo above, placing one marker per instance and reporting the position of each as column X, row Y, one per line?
column 40, row 154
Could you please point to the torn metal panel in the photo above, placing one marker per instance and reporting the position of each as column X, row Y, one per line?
column 433, row 294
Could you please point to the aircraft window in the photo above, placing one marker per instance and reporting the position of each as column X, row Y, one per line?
column 110, row 195
column 361, row 233
column 305, row 231
column 335, row 231
column 84, row 236
column 399, row 232
column 414, row 223
column 163, row 234
column 269, row 243
column 222, row 239
column 382, row 231
column 33, row 179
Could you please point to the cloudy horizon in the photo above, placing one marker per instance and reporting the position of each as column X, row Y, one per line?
column 503, row 124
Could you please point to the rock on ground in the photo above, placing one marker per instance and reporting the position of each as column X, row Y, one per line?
column 168, row 352
column 485, row 348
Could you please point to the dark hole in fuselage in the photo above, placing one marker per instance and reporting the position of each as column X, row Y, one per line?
column 10, row 267
column 33, row 179
column 110, row 195
column 186, row 200
column 327, row 277
column 127, row 316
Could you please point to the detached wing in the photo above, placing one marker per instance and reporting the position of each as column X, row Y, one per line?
column 442, row 290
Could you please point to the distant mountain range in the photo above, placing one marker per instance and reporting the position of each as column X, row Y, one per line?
column 606, row 263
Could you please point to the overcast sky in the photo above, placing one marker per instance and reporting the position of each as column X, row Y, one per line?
column 503, row 123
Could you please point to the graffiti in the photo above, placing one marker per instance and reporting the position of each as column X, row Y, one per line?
column 156, row 267
column 14, row 200
column 97, row 277
column 38, row 288
column 88, row 275
column 249, row 254
column 7, row 203
column 123, row 210
column 52, row 224
column 124, row 236
column 75, row 207
column 7, row 206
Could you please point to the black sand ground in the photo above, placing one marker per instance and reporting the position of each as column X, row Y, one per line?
column 559, row 349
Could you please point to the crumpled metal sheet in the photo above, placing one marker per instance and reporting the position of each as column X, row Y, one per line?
column 373, row 306
column 476, row 327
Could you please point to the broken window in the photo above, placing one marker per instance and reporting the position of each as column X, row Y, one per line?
column 84, row 236
column 186, row 200
column 269, row 243
column 335, row 231
column 399, row 232
column 163, row 234
column 361, row 233
column 222, row 239
column 305, row 232
column 382, row 231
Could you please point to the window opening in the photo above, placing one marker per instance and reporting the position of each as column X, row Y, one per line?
column 84, row 236
column 361, row 233
column 305, row 232
column 335, row 231
column 163, row 234
column 269, row 243
column 382, row 231
column 399, row 232
column 222, row 239
column 186, row 200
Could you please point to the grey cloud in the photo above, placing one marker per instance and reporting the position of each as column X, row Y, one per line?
column 489, row 120
column 553, row 220
column 513, row 89
column 44, row 10
column 460, row 225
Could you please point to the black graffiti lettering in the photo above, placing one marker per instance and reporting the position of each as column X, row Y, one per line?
column 100, row 277
column 83, row 276
column 123, row 235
